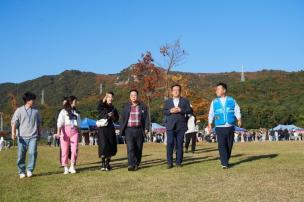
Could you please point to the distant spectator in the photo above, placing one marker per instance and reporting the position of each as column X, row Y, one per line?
column 1, row 143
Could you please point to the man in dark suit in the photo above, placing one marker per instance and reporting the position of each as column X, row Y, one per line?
column 176, row 110
column 134, row 124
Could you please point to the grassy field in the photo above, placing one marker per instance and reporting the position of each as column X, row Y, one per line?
column 260, row 172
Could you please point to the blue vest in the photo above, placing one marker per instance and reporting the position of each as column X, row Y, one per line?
column 224, row 114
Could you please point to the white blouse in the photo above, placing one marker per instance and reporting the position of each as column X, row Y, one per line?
column 64, row 120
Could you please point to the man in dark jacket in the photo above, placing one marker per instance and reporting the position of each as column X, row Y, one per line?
column 175, row 111
column 134, row 123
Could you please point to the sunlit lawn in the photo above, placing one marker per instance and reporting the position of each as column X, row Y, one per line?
column 260, row 172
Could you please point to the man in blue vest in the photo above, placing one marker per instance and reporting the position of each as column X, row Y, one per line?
column 225, row 113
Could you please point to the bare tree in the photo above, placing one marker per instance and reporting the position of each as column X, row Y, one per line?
column 174, row 55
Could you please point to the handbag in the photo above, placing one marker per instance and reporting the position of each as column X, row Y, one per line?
column 102, row 123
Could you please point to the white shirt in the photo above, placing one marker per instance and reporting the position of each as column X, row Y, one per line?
column 64, row 120
column 176, row 102
column 237, row 112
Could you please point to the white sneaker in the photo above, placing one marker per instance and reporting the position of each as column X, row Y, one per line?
column 22, row 175
column 66, row 170
column 72, row 170
column 29, row 173
column 224, row 167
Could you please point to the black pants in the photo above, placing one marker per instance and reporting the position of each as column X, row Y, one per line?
column 134, row 140
column 225, row 136
column 191, row 137
column 175, row 139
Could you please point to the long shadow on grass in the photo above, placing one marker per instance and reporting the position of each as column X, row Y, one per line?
column 153, row 162
column 143, row 165
column 116, row 164
column 48, row 173
column 254, row 158
column 194, row 160
column 189, row 160
column 205, row 150
column 112, row 160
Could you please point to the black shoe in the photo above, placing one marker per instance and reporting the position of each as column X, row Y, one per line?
column 108, row 166
column 131, row 168
column 169, row 166
column 103, row 165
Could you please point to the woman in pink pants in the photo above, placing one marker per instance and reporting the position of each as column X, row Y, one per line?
column 68, row 126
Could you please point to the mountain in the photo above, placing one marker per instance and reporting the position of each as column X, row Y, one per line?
column 266, row 98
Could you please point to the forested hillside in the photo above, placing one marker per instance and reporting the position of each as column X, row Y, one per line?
column 266, row 97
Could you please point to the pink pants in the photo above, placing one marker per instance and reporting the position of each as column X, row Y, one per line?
column 68, row 138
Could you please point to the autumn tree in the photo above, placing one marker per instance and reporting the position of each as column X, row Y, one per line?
column 199, row 103
column 146, row 76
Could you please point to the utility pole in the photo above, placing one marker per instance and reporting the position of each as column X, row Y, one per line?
column 100, row 89
column 242, row 75
column 42, row 97
column 1, row 121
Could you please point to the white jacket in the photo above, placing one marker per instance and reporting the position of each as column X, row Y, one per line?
column 64, row 120
column 191, row 125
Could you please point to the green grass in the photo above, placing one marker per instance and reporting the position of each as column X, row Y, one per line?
column 261, row 172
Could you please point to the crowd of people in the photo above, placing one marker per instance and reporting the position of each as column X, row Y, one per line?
column 4, row 144
column 268, row 135
column 90, row 137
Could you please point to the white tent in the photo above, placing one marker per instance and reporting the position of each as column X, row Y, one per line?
column 284, row 127
column 158, row 128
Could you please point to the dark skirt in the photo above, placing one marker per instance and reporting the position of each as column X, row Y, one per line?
column 107, row 143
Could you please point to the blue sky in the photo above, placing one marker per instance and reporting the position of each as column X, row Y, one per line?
column 47, row 37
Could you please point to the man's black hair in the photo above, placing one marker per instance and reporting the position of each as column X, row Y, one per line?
column 28, row 96
column 223, row 85
column 176, row 85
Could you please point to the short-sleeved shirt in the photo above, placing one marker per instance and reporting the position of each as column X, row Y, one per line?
column 27, row 121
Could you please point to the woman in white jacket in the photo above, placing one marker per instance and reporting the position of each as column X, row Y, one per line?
column 68, row 126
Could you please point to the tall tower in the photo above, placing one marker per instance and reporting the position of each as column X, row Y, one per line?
column 42, row 97
column 242, row 75
column 1, row 121
column 100, row 89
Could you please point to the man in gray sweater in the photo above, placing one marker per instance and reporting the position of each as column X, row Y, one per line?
column 26, row 123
